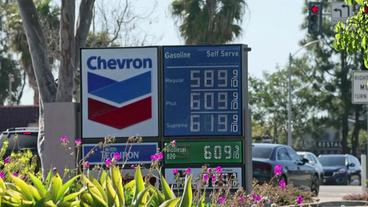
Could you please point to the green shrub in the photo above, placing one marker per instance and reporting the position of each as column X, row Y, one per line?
column 20, row 164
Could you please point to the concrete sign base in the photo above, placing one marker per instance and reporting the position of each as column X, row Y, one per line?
column 60, row 119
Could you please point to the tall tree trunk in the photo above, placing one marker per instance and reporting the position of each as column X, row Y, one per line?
column 31, row 80
column 67, row 48
column 48, row 90
column 83, row 24
column 38, row 49
column 345, row 99
column 355, row 135
column 19, row 97
column 39, row 55
column 275, row 134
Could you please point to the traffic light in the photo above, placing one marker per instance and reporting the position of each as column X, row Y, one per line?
column 314, row 17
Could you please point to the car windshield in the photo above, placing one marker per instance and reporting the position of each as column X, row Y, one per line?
column 261, row 152
column 332, row 161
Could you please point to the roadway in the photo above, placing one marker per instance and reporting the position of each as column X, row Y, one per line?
column 336, row 192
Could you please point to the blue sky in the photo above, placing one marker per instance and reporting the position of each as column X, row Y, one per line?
column 270, row 27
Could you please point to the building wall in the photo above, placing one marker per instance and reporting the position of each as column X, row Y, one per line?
column 18, row 116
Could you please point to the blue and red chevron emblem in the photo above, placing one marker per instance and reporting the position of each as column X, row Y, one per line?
column 134, row 94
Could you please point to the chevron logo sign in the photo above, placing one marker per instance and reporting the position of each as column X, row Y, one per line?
column 119, row 90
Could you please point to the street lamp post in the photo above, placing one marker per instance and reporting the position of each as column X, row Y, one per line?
column 289, row 124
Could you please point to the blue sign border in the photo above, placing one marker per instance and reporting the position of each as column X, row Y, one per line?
column 197, row 56
column 147, row 149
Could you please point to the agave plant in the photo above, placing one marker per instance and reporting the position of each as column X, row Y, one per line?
column 110, row 192
column 52, row 193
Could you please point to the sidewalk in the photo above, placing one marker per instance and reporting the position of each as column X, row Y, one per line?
column 331, row 196
column 335, row 193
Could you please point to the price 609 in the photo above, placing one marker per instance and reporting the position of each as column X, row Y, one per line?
column 218, row 152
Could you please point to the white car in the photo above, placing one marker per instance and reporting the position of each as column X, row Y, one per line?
column 313, row 161
column 20, row 138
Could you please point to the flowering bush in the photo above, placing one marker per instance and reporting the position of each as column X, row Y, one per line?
column 110, row 188
column 19, row 164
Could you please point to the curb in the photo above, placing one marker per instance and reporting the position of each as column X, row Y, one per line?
column 334, row 204
column 343, row 203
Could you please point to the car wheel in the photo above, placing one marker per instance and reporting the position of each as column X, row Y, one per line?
column 348, row 180
column 355, row 180
column 315, row 185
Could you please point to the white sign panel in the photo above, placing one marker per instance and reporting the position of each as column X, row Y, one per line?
column 360, row 87
column 341, row 11
column 230, row 177
column 119, row 92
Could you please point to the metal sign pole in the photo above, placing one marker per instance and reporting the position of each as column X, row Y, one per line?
column 248, row 164
column 364, row 161
column 248, row 155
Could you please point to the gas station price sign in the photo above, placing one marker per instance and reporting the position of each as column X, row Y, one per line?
column 209, row 152
column 202, row 90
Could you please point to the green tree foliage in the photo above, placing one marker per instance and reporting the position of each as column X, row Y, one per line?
column 351, row 39
column 209, row 21
column 268, row 99
column 17, row 41
column 352, row 36
column 330, row 79
column 8, row 66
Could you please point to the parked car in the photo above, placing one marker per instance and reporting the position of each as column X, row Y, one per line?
column 294, row 168
column 20, row 138
column 314, row 162
column 341, row 169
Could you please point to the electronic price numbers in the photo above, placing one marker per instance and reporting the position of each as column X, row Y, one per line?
column 204, row 152
column 202, row 91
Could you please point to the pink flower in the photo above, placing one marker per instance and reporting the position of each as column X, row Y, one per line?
column 2, row 175
column 256, row 197
column 15, row 174
column 173, row 143
column 188, row 171
column 213, row 179
column 277, row 170
column 153, row 157
column 64, row 139
column 175, row 171
column 218, row 169
column 108, row 162
column 221, row 200
column 78, row 141
column 299, row 199
column 117, row 156
column 205, row 177
column 209, row 170
column 160, row 155
column 157, row 157
column 241, row 199
column 86, row 165
column 7, row 160
column 282, row 184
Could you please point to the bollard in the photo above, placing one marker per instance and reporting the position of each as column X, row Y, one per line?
column 363, row 159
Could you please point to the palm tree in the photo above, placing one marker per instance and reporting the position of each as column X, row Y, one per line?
column 209, row 21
